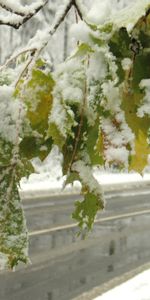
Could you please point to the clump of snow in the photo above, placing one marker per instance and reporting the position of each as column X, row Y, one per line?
column 116, row 133
column 100, row 11
column 50, row 165
column 145, row 107
column 126, row 64
column 80, row 32
column 69, row 90
column 87, row 178
column 128, row 16
column 10, row 112
column 15, row 6
column 97, row 69
column 119, row 154
column 39, row 40
column 111, row 93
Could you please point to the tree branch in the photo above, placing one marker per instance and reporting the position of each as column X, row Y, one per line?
column 78, row 10
column 15, row 56
column 34, row 47
column 23, row 14
column 60, row 17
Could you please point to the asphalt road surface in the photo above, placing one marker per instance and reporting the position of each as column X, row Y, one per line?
column 64, row 266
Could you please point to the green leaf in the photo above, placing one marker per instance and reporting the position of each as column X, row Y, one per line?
column 85, row 211
column 83, row 49
column 38, row 97
column 6, row 149
column 93, row 144
column 54, row 133
column 32, row 146
column 129, row 16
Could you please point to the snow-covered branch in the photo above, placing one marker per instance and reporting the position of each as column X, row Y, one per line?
column 60, row 16
column 40, row 40
column 21, row 14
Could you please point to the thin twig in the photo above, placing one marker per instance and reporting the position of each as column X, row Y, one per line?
column 13, row 57
column 36, row 51
column 23, row 71
column 78, row 10
column 61, row 18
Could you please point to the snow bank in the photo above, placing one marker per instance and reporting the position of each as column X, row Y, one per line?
column 137, row 288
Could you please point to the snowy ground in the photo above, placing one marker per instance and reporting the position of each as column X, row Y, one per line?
column 53, row 182
column 137, row 288
column 49, row 179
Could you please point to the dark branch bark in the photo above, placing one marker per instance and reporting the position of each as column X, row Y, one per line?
column 11, row 10
column 78, row 10
column 36, row 51
column 62, row 17
column 25, row 17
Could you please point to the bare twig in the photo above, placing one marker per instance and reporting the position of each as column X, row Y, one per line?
column 78, row 10
column 23, row 71
column 15, row 56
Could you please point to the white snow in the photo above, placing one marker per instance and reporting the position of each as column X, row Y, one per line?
column 128, row 16
column 100, row 11
column 126, row 64
column 80, row 32
column 145, row 108
column 87, row 177
column 119, row 154
column 50, row 180
column 137, row 288
column 97, row 69
column 9, row 113
column 15, row 6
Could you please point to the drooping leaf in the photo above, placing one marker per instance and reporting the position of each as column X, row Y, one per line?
column 13, row 231
column 38, row 98
column 86, row 210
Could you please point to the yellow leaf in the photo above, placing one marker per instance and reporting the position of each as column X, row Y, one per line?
column 139, row 127
column 142, row 150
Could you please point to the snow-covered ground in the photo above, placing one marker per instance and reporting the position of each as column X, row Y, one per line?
column 49, row 177
column 45, row 181
column 137, row 288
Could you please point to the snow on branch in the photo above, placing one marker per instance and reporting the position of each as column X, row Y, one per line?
column 62, row 12
column 40, row 40
column 21, row 14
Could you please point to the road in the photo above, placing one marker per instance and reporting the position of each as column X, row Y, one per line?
column 63, row 266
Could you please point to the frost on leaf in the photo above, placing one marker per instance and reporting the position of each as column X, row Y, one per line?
column 68, row 97
column 13, row 231
column 36, row 94
column 86, row 210
column 129, row 16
